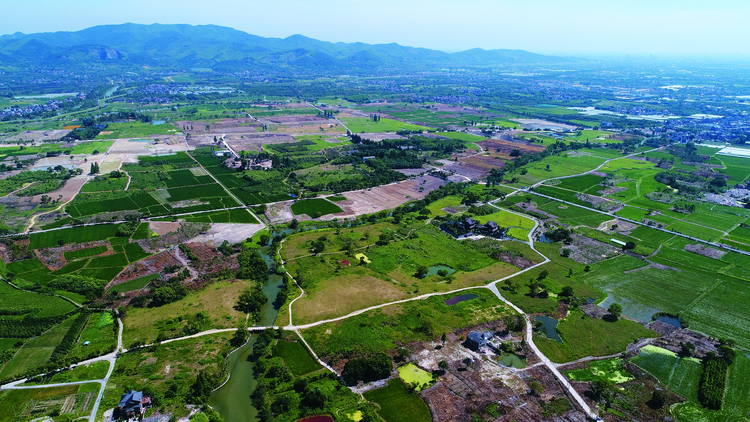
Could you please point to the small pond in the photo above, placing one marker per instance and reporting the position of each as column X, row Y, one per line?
column 434, row 269
column 549, row 327
column 673, row 321
column 148, row 141
column 158, row 122
column 460, row 298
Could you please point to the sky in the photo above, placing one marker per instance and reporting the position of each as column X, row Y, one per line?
column 572, row 27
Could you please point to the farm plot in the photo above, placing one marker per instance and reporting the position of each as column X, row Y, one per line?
column 296, row 357
column 71, row 401
column 315, row 208
column 398, row 404
column 366, row 125
column 136, row 130
column 680, row 375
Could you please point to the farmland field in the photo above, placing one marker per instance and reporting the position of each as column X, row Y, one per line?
column 679, row 374
column 365, row 125
column 398, row 404
column 315, row 208
column 136, row 130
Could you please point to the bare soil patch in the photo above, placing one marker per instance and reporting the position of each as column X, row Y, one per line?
column 705, row 250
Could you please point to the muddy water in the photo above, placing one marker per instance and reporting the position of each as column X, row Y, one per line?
column 232, row 400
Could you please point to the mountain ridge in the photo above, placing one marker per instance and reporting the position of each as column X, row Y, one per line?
column 179, row 45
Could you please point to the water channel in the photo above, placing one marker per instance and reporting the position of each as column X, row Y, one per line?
column 232, row 400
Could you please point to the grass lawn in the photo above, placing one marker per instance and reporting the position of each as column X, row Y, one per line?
column 136, row 130
column 296, row 357
column 416, row 376
column 584, row 336
column 92, row 371
column 609, row 371
column 592, row 136
column 507, row 219
column 398, row 404
column 168, row 366
column 216, row 301
column 90, row 147
column 366, row 125
column 134, row 284
column 336, row 284
column 383, row 329
column 567, row 164
column 436, row 208
column 316, row 207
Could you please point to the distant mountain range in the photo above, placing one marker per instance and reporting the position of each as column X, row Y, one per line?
column 226, row 49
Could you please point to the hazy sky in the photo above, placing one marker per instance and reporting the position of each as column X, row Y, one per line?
column 674, row 27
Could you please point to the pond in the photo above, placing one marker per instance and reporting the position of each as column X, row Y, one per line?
column 232, row 400
column 673, row 321
column 460, row 298
column 434, row 269
column 549, row 327
column 158, row 122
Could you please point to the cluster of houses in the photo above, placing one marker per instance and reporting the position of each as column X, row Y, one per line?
column 465, row 227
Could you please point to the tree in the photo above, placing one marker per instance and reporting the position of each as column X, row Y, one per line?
column 686, row 350
column 366, row 369
column 314, row 398
column 615, row 310
column 421, row 272
column 658, row 399
column 567, row 291
column 239, row 338
column 94, row 168
column 629, row 245
column 251, row 301
column 202, row 387
column 252, row 265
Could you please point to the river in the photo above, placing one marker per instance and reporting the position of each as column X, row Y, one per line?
column 232, row 400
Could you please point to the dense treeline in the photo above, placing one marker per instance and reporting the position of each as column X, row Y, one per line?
column 88, row 286
column 27, row 327
column 713, row 377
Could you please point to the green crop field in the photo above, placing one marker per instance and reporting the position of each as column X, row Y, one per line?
column 85, row 253
column 592, row 136
column 134, row 284
column 679, row 374
column 136, row 130
column 315, row 208
column 396, row 403
column 452, row 201
column 366, row 125
column 296, row 357
column 91, row 147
